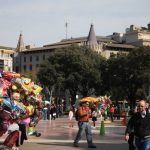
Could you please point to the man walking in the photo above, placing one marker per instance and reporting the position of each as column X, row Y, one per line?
column 84, row 113
column 140, row 123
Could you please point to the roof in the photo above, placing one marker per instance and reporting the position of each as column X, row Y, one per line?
column 91, row 39
column 20, row 45
column 44, row 48
column 7, row 48
column 120, row 45
column 56, row 46
column 81, row 39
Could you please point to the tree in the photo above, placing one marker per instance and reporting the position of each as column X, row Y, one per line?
column 113, row 74
column 74, row 68
column 139, row 73
column 129, row 75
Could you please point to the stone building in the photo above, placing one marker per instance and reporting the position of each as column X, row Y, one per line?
column 28, row 59
column 6, row 59
column 137, row 35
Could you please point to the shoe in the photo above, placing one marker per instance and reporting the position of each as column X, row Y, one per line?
column 91, row 146
column 75, row 145
column 38, row 134
column 15, row 148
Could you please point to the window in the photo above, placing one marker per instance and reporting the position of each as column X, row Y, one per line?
column 1, row 64
column 30, row 67
column 112, row 54
column 30, row 58
column 24, row 59
column 43, row 57
column 37, row 58
column 24, row 67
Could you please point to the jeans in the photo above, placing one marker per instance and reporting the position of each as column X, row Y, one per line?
column 142, row 143
column 84, row 126
column 131, row 141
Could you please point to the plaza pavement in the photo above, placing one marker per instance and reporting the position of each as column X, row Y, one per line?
column 57, row 135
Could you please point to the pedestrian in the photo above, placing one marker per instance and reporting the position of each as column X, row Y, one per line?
column 111, row 112
column 70, row 117
column 118, row 112
column 53, row 111
column 84, row 113
column 131, row 134
column 48, row 111
column 45, row 112
column 94, row 115
column 140, row 123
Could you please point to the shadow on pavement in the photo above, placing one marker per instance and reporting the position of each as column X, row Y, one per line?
column 83, row 146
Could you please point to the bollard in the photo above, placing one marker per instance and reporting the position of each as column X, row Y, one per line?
column 102, row 128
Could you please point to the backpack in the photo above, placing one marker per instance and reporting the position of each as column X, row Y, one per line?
column 77, row 115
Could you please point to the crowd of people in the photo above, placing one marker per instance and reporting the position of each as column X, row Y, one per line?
column 137, row 132
column 51, row 111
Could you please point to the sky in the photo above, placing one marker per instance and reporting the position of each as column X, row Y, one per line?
column 43, row 22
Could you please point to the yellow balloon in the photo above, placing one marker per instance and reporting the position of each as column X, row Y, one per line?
column 14, row 87
column 30, row 108
column 26, row 93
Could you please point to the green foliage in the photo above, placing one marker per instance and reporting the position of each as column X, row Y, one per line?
column 74, row 68
column 83, row 71
column 129, row 74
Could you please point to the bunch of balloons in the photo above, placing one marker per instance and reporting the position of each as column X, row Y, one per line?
column 20, row 99
column 104, row 101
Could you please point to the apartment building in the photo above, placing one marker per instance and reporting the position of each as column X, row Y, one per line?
column 6, row 59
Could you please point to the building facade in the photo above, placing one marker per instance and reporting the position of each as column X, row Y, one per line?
column 28, row 59
column 137, row 35
column 6, row 59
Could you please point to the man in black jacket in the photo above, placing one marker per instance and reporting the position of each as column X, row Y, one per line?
column 140, row 123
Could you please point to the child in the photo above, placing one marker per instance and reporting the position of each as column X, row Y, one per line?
column 70, row 116
column 94, row 116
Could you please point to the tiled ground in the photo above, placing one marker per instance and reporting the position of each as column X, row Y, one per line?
column 57, row 133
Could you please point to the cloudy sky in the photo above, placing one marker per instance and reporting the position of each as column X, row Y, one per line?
column 43, row 21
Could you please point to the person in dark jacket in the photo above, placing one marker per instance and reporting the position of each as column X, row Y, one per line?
column 140, row 123
column 53, row 112
column 131, row 134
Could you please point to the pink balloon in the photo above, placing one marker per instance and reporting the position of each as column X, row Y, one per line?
column 26, row 121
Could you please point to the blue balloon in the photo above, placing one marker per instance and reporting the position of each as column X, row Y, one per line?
column 7, row 103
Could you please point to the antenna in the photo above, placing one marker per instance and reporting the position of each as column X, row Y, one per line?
column 66, row 25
